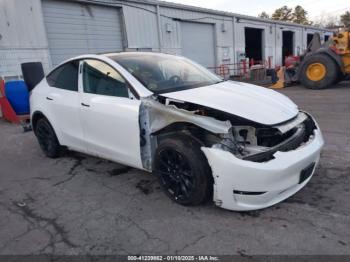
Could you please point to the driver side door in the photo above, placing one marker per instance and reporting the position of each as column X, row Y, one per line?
column 110, row 114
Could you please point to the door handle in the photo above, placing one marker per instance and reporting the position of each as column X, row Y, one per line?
column 86, row 105
column 49, row 98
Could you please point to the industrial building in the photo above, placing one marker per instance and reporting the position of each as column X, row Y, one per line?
column 51, row 31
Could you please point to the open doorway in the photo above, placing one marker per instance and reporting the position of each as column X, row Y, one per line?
column 309, row 39
column 287, row 44
column 254, row 43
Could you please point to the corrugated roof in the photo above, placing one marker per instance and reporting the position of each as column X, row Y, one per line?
column 206, row 10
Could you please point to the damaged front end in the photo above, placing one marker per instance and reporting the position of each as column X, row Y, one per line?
column 162, row 117
column 253, row 165
column 260, row 143
column 246, row 140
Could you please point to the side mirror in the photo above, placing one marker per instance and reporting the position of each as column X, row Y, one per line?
column 33, row 73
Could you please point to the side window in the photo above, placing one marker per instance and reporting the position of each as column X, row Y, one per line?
column 101, row 79
column 65, row 76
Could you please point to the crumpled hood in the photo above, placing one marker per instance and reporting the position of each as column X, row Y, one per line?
column 251, row 102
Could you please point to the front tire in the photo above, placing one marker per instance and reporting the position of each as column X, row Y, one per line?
column 47, row 138
column 182, row 170
column 319, row 71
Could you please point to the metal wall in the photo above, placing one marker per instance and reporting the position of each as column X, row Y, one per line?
column 154, row 26
column 141, row 27
column 171, row 19
column 22, row 36
column 73, row 29
column 228, row 31
column 268, row 37
column 198, row 39
column 272, row 38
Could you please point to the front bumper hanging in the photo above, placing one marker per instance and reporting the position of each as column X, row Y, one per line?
column 246, row 185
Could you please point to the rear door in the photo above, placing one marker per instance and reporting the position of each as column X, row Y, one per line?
column 63, row 105
column 110, row 114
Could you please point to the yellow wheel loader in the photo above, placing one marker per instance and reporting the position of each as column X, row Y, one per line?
column 324, row 65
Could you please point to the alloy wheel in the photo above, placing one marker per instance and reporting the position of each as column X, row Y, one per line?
column 176, row 174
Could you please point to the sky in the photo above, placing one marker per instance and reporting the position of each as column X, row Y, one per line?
column 316, row 8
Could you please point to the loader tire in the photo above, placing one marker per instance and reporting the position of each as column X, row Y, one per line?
column 319, row 71
column 340, row 77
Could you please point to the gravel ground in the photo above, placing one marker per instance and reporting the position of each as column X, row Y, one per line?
column 79, row 204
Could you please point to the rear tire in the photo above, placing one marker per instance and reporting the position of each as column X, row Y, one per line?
column 182, row 170
column 330, row 76
column 47, row 138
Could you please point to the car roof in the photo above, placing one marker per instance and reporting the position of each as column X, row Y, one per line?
column 117, row 55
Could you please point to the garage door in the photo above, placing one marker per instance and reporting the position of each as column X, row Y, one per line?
column 198, row 42
column 75, row 29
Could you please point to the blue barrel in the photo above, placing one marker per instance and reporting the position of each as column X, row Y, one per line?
column 18, row 96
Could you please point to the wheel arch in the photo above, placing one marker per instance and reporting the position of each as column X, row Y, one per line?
column 36, row 116
column 179, row 128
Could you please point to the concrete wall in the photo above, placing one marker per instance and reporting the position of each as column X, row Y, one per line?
column 22, row 36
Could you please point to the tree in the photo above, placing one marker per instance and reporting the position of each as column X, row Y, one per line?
column 299, row 16
column 283, row 13
column 264, row 15
column 345, row 19
column 327, row 21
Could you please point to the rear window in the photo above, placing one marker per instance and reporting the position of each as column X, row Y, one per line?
column 65, row 76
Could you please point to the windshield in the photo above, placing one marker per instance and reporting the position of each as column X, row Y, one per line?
column 166, row 73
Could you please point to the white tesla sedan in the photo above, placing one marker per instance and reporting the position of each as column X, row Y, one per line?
column 244, row 146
